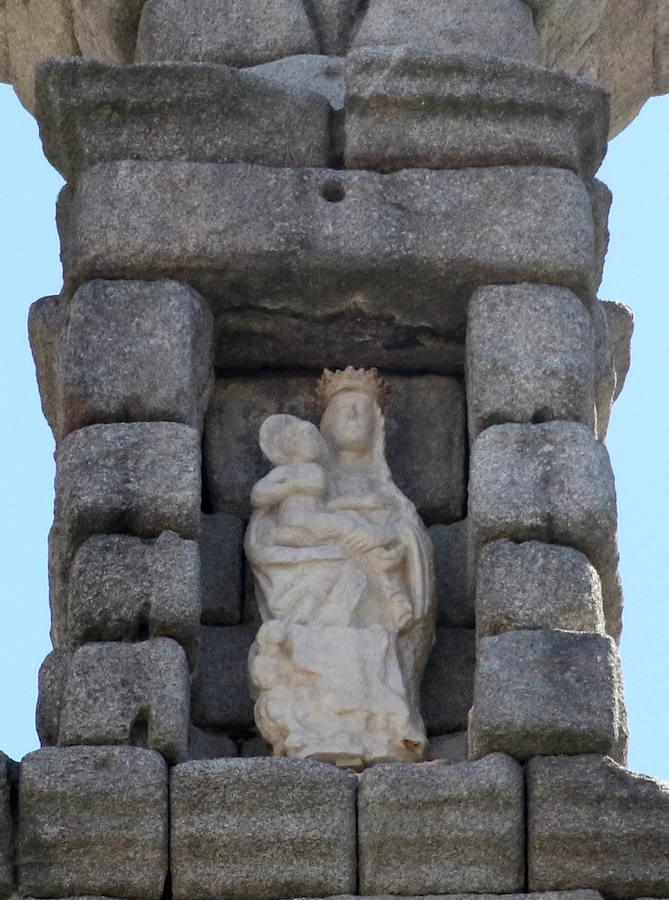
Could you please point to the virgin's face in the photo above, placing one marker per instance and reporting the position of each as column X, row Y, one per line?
column 349, row 421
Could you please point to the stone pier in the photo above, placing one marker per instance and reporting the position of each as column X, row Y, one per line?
column 255, row 191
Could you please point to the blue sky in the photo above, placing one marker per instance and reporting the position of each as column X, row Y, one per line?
column 636, row 169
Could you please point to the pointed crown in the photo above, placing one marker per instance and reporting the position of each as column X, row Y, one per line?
column 349, row 379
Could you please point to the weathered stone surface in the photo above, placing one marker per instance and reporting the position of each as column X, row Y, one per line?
column 620, row 327
column 210, row 744
column 36, row 30
column 432, row 828
column 4, row 46
column 107, row 29
column 410, row 109
column 455, row 604
column 6, row 827
column 501, row 28
column 139, row 477
column 128, row 694
column 223, row 31
column 601, row 199
column 221, row 553
column 255, row 746
column 261, row 828
column 322, row 75
column 550, row 482
column 92, row 112
column 221, row 696
column 605, row 40
column 324, row 279
column 538, row 693
column 62, row 792
column 530, row 357
column 425, row 435
column 125, row 588
column 335, row 22
column 425, row 441
column 450, row 748
column 250, row 611
column 136, row 351
column 52, row 681
column 47, row 322
column 592, row 823
column 605, row 372
column 534, row 585
column 448, row 683
column 661, row 48
column 547, row 895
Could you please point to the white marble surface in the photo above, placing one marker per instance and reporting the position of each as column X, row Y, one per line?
column 345, row 586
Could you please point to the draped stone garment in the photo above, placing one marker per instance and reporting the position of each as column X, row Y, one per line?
column 336, row 666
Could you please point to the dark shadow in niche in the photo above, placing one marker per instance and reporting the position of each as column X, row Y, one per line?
column 139, row 731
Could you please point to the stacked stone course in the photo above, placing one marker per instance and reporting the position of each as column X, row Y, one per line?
column 255, row 191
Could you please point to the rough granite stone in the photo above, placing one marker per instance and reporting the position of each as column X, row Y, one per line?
column 534, row 585
column 136, row 351
column 107, row 29
column 538, row 693
column 406, row 108
column 322, row 75
column 261, row 828
column 221, row 696
column 620, row 327
column 550, row 482
column 547, row 895
column 425, row 438
column 349, row 268
column 592, row 823
column 455, row 604
column 601, row 199
column 125, row 588
column 138, row 477
column 254, row 746
column 530, row 357
column 448, row 682
column 36, row 30
column 6, row 827
column 450, row 748
column 47, row 323
column 92, row 112
column 250, row 611
column 63, row 792
column 425, row 444
column 5, row 77
column 221, row 554
column 128, row 694
column 210, row 744
column 335, row 22
column 52, row 680
column 605, row 372
column 223, row 31
column 502, row 28
column 661, row 54
column 432, row 828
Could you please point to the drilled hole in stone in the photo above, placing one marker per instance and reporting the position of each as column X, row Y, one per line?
column 333, row 192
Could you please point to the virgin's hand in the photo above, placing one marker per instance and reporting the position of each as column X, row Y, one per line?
column 388, row 557
column 362, row 540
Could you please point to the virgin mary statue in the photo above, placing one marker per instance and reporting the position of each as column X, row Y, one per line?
column 345, row 586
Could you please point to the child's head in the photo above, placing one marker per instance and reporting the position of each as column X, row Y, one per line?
column 287, row 439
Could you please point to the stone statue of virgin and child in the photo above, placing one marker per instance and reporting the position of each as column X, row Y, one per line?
column 345, row 586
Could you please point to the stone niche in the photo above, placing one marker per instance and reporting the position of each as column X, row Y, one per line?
column 426, row 444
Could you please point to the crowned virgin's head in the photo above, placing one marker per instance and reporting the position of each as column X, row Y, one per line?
column 352, row 420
